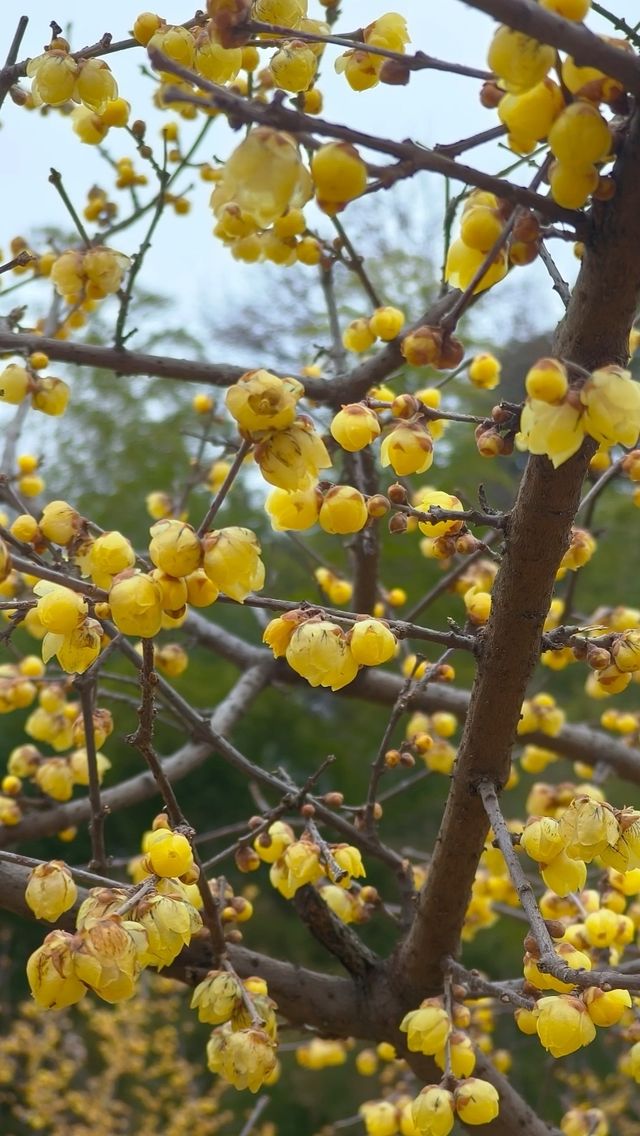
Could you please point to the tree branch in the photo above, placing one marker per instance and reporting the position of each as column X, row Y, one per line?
column 583, row 45
column 594, row 331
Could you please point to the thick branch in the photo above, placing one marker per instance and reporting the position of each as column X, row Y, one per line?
column 577, row 743
column 568, row 35
column 595, row 331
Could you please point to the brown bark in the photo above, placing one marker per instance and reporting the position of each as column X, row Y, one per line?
column 595, row 331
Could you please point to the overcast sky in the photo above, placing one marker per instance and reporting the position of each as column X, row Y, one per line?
column 186, row 259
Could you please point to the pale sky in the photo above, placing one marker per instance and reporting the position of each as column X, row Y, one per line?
column 185, row 258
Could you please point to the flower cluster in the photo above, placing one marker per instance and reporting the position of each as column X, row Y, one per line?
column 556, row 418
column 108, row 951
column 322, row 653
column 58, row 77
column 363, row 70
column 242, row 1047
column 48, row 393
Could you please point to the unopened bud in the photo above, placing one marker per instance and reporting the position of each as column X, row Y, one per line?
column 394, row 73
column 467, row 543
column 398, row 524
column 378, row 505
column 598, row 658
column 247, row 859
column 397, row 493
column 490, row 94
column 333, row 800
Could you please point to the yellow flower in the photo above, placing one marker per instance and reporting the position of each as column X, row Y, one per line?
column 355, row 426
column 601, row 928
column 408, row 448
column 215, row 62
column 588, row 828
column 262, row 401
column 554, row 429
column 463, row 1058
column 299, row 865
column 321, row 1053
column 278, row 632
column 60, row 610
column 232, row 561
column 105, row 958
column 292, row 458
column 104, row 269
column 51, row 890
column 169, row 922
column 563, row 1024
column 371, row 642
column 271, row 845
column 175, row 547
column 434, row 498
column 484, row 370
column 569, row 955
column 612, row 406
column 343, row 510
column 59, row 522
column 136, row 605
column 79, row 765
column 427, row 1028
column 541, row 839
column 54, row 77
column 169, row 853
column 339, row 174
column 547, row 380
column 77, row 649
column 293, row 511
column 584, row 1121
column 245, row 1058
column 95, row 84
column 108, row 555
column 51, row 973
column 55, row 778
column 476, row 1101
column 380, row 1118
column 320, row 653
column 217, row 997
column 606, row 1008
column 564, row 875
column 264, row 177
column 520, row 61
column 349, row 859
column 432, row 1111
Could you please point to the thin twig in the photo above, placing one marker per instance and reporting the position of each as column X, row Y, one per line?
column 356, row 263
column 234, row 470
column 254, row 1115
column 142, row 740
column 6, row 82
column 548, row 962
column 559, row 284
column 56, row 180
column 600, row 484
column 98, row 860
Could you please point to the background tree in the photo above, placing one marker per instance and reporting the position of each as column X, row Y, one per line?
column 263, row 662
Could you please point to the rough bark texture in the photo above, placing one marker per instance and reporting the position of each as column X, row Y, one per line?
column 595, row 331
